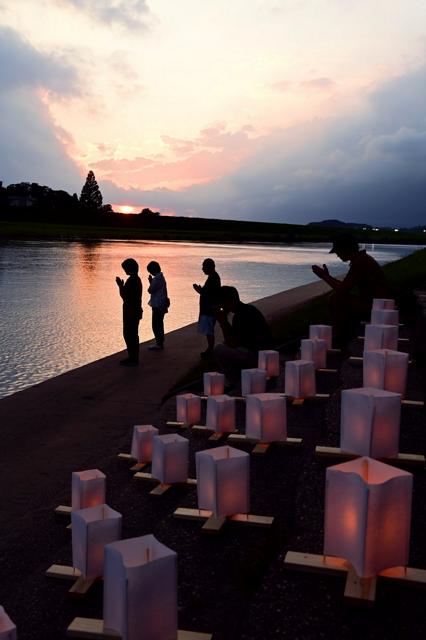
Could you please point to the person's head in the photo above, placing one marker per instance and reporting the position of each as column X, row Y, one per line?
column 229, row 298
column 345, row 246
column 130, row 266
column 208, row 266
column 153, row 268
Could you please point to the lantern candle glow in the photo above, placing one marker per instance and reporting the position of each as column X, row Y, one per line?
column 87, row 489
column 253, row 381
column 385, row 369
column 140, row 589
column 220, row 416
column 321, row 332
column 188, row 408
column 269, row 360
column 223, row 480
column 314, row 350
column 266, row 417
column 380, row 336
column 7, row 628
column 214, row 383
column 385, row 316
column 300, row 378
column 170, row 458
column 92, row 529
column 370, row 422
column 383, row 303
column 367, row 515
column 142, row 442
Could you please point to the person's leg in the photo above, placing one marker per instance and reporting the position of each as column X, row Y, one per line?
column 158, row 326
column 346, row 313
column 131, row 338
column 210, row 342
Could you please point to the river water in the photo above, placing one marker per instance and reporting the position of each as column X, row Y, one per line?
column 60, row 306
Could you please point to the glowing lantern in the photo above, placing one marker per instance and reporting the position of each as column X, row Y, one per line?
column 270, row 361
column 316, row 351
column 223, row 480
column 380, row 336
column 87, row 489
column 214, row 383
column 7, row 628
column 188, row 408
column 220, row 415
column 383, row 303
column 321, row 332
column 142, row 442
column 370, row 420
column 367, row 515
column 253, row 381
column 170, row 458
column 92, row 529
column 266, row 417
column 140, row 589
column 300, row 378
column 385, row 369
column 385, row 316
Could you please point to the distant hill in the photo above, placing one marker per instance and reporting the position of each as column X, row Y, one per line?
column 339, row 223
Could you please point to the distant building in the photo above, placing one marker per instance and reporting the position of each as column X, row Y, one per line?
column 20, row 201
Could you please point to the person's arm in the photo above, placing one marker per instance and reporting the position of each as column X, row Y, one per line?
column 198, row 288
column 120, row 284
column 339, row 286
column 154, row 284
column 225, row 325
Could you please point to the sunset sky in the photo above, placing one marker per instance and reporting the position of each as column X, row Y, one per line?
column 281, row 110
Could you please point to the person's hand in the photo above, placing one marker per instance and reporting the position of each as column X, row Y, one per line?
column 150, row 278
column 197, row 288
column 119, row 281
column 321, row 272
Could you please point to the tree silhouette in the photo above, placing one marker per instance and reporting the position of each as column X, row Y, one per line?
column 91, row 196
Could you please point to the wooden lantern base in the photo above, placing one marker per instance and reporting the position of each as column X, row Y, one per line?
column 357, row 590
column 262, row 447
column 215, row 435
column 94, row 628
column 127, row 456
column 162, row 487
column 403, row 459
column 81, row 585
column 299, row 402
column 214, row 524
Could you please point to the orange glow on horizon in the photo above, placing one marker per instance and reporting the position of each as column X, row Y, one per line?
column 126, row 208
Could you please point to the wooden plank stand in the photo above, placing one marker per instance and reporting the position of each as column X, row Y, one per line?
column 136, row 467
column 63, row 510
column 161, row 487
column 262, row 447
column 215, row 435
column 63, row 572
column 403, row 459
column 180, row 425
column 94, row 628
column 357, row 590
column 299, row 402
column 214, row 524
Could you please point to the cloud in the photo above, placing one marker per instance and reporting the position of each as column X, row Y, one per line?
column 130, row 14
column 318, row 84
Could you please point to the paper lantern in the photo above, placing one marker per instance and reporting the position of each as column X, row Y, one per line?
column 385, row 316
column 300, row 378
column 383, row 303
column 385, row 369
column 266, row 417
column 214, row 383
column 87, row 489
column 140, row 589
column 170, row 458
column 380, row 336
column 188, row 408
column 370, row 420
column 142, row 442
column 220, row 414
column 316, row 351
column 7, row 628
column 321, row 332
column 367, row 515
column 223, row 480
column 270, row 361
column 253, row 381
column 92, row 529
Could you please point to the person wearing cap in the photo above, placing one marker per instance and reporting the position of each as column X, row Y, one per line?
column 131, row 294
column 352, row 297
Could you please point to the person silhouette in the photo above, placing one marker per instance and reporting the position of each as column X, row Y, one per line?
column 209, row 293
column 131, row 293
column 159, row 303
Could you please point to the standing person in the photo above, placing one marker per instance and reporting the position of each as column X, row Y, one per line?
column 209, row 296
column 352, row 298
column 131, row 293
column 159, row 303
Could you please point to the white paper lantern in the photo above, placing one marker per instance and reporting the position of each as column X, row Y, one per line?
column 270, row 361
column 380, row 336
column 142, row 442
column 92, row 529
column 321, row 332
column 370, row 421
column 383, row 303
column 188, row 408
column 385, row 369
column 266, row 417
column 214, row 383
column 87, row 488
column 253, row 381
column 170, row 458
column 367, row 515
column 7, row 628
column 223, row 480
column 140, row 589
column 316, row 351
column 300, row 378
column 220, row 416
column 385, row 316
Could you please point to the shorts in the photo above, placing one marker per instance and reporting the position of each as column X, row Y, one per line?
column 206, row 325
